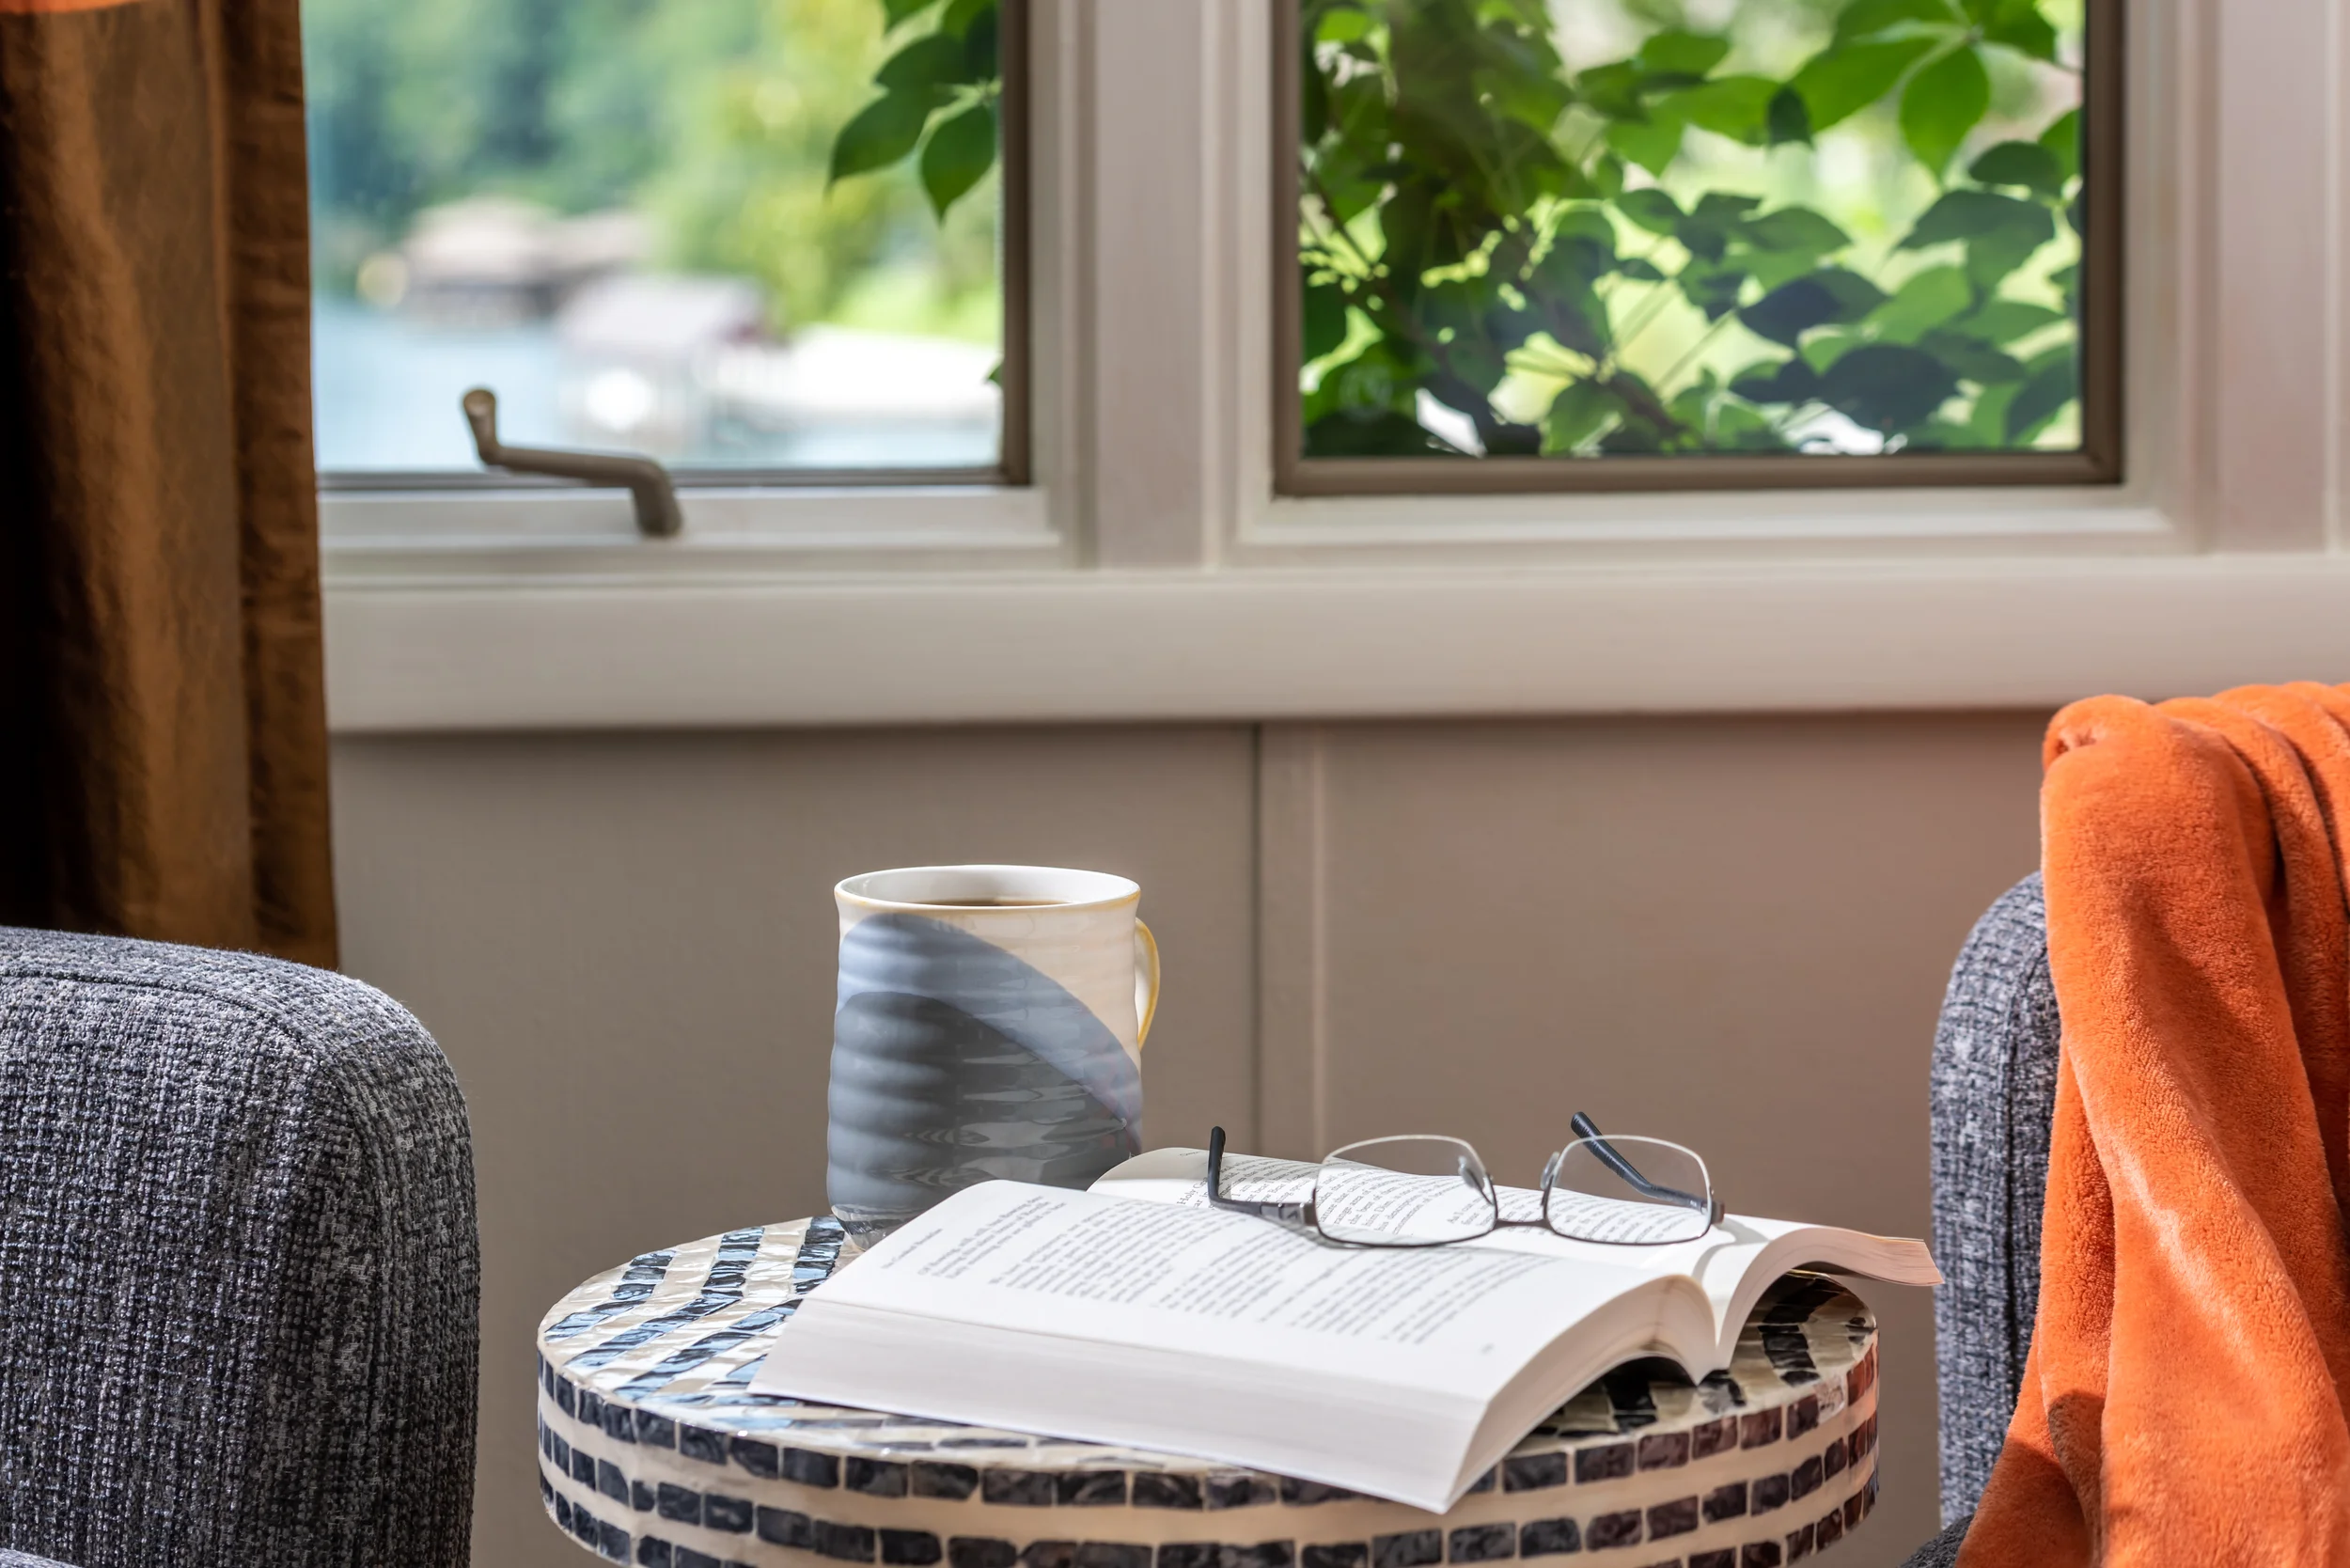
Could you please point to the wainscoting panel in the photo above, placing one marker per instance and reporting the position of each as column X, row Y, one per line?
column 1732, row 931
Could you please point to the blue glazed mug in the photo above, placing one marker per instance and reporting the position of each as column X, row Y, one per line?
column 990, row 1023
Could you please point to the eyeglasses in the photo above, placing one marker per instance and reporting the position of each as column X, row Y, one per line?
column 1420, row 1191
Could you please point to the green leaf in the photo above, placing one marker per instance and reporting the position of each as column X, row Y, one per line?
column 1816, row 299
column 958, row 154
column 2001, row 231
column 1822, row 349
column 2005, row 320
column 1787, row 120
column 979, row 48
column 1344, row 24
column 2063, row 138
column 1614, row 90
column 1324, row 323
column 1582, row 251
column 1925, row 301
column 1712, row 288
column 1787, row 380
column 1675, row 53
column 1841, row 82
column 2026, row 164
column 1378, row 377
column 1941, row 435
column 1535, row 99
column 1734, row 107
column 1968, row 214
column 1772, row 268
column 1693, row 406
column 932, row 60
column 1563, row 301
column 1986, row 426
column 1941, row 105
column 1971, row 360
column 1313, row 101
column 960, row 16
column 1708, row 228
column 2022, row 28
column 879, row 133
column 1651, row 208
column 1865, row 19
column 1607, row 175
column 1653, row 144
column 1382, row 433
column 1577, row 414
column 2043, row 397
column 1795, row 228
column 895, row 11
column 1585, row 223
column 1886, row 386
column 1991, row 258
column 1641, row 271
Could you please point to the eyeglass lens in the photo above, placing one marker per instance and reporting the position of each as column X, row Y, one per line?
column 1629, row 1190
column 1403, row 1192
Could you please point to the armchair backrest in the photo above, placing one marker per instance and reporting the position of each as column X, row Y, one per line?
column 239, row 1274
column 1994, row 1096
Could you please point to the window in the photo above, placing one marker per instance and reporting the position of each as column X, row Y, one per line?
column 1177, row 552
column 765, row 241
column 1538, row 244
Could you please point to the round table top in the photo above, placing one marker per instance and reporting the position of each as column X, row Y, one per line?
column 654, row 1448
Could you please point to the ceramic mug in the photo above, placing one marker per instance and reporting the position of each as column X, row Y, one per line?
column 990, row 1023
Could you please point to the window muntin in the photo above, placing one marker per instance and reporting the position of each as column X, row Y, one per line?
column 1592, row 244
column 766, row 241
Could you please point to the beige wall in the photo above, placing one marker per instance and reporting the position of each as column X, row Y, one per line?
column 1729, row 932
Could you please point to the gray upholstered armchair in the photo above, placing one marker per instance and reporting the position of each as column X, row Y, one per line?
column 1994, row 1095
column 239, row 1278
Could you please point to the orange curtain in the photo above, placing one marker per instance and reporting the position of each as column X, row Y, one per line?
column 162, row 733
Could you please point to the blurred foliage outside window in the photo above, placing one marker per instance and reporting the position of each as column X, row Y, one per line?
column 1689, row 226
column 624, row 216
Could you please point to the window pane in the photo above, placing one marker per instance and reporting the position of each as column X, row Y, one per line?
column 1594, row 229
column 619, row 216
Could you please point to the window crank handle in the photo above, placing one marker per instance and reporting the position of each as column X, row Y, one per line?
column 657, row 514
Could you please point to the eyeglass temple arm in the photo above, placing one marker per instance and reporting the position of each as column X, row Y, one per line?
column 1295, row 1213
column 1612, row 1157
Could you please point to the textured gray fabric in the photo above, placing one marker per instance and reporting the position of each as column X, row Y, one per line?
column 1942, row 1551
column 239, row 1276
column 1994, row 1095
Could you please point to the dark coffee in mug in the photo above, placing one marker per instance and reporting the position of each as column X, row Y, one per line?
column 987, row 903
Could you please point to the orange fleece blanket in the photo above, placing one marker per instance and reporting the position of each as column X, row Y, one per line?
column 2182, row 1402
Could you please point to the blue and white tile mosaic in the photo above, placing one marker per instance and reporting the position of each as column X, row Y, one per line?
column 653, row 1450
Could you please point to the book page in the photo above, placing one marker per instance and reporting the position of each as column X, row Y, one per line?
column 1718, row 1263
column 1191, row 1279
column 1409, row 1204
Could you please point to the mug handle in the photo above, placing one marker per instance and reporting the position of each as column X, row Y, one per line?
column 1146, row 981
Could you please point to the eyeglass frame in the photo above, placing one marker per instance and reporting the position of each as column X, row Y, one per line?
column 1301, row 1215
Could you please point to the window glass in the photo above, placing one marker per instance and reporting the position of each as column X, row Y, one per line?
column 741, row 234
column 1586, row 231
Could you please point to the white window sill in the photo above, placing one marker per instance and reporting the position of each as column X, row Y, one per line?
column 1268, row 643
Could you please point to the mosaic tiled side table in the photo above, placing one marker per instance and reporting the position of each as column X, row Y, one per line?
column 654, row 1450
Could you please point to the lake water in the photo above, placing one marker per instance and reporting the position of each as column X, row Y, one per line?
column 386, row 388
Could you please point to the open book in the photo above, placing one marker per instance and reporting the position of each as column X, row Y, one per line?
column 1135, row 1313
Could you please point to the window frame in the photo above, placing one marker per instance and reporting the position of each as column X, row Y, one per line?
column 1013, row 467
column 2098, row 460
column 1150, row 571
